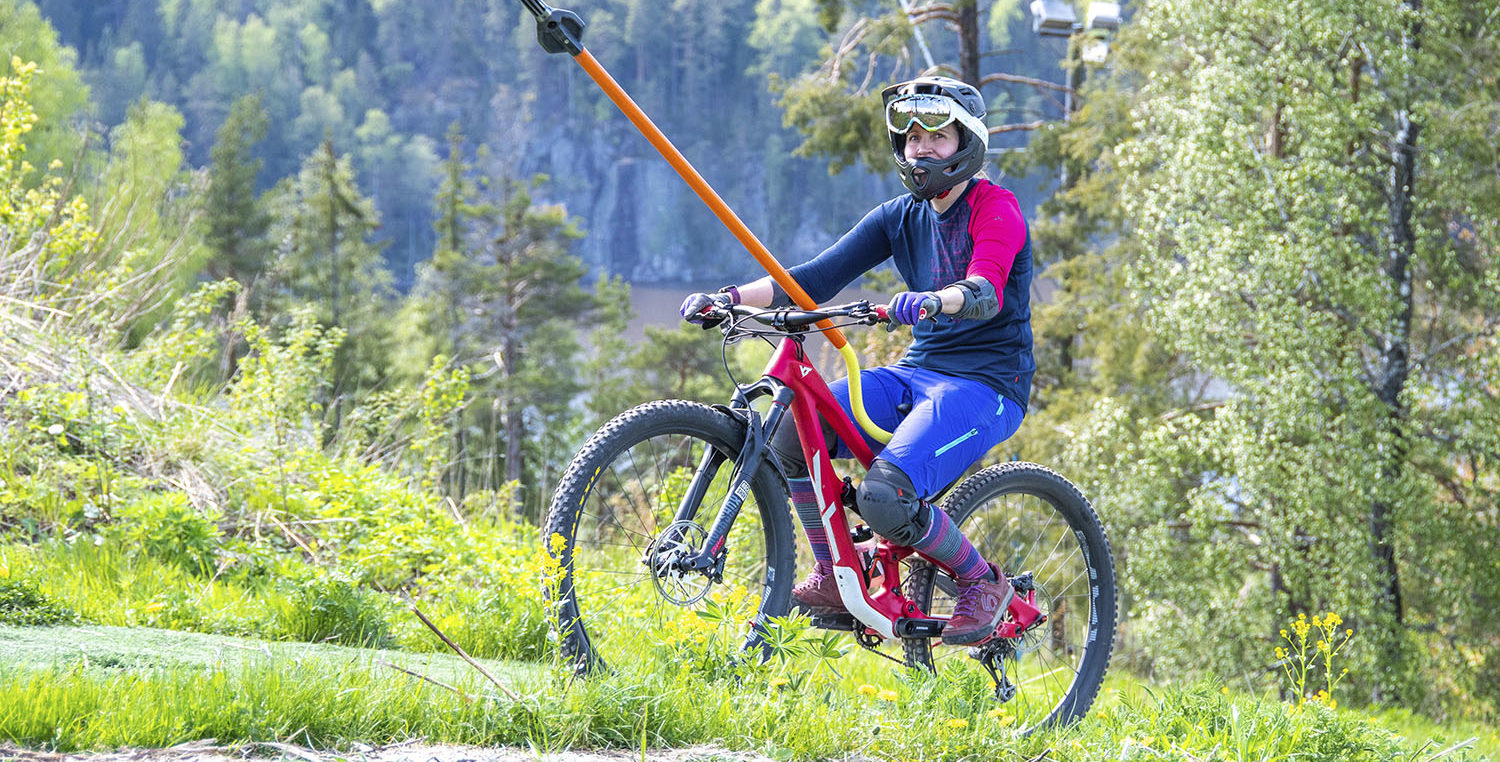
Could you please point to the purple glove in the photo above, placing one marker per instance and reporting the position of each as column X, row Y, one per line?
column 693, row 306
column 910, row 306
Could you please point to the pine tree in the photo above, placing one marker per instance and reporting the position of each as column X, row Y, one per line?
column 326, row 257
column 235, row 217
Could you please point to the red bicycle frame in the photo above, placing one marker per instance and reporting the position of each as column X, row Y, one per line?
column 884, row 612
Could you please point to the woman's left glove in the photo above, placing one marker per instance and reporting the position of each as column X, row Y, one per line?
column 908, row 307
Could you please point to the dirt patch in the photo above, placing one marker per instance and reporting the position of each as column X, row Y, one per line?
column 404, row 752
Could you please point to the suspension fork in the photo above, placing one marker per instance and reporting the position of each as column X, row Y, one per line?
column 752, row 454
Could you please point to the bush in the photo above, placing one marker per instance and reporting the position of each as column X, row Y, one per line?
column 165, row 527
column 21, row 603
column 333, row 609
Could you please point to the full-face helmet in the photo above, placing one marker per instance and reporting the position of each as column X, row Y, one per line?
column 933, row 103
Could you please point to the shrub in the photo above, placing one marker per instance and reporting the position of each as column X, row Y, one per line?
column 333, row 609
column 21, row 603
column 165, row 527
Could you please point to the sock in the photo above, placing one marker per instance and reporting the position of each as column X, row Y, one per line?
column 945, row 544
column 805, row 502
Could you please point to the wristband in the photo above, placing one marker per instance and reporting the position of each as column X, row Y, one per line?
column 734, row 294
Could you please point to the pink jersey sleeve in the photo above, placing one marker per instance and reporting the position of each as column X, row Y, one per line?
column 998, row 231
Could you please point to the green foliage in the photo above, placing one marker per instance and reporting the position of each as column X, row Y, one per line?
column 21, row 603
column 59, row 92
column 329, row 608
column 236, row 220
column 1225, row 363
column 45, row 229
column 166, row 527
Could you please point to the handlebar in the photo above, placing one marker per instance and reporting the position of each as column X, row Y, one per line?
column 791, row 319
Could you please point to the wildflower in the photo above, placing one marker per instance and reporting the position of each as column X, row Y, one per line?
column 996, row 714
column 958, row 723
column 868, row 690
column 887, row 695
column 778, row 682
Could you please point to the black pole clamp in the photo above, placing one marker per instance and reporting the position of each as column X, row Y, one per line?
column 558, row 30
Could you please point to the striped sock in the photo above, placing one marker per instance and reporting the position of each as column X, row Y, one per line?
column 805, row 501
column 945, row 544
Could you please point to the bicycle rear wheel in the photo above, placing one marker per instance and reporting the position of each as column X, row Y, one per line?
column 614, row 511
column 1027, row 519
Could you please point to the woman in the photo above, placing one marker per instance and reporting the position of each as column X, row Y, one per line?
column 962, row 247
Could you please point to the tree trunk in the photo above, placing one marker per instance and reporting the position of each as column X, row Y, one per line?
column 968, row 41
column 511, row 414
column 1395, row 371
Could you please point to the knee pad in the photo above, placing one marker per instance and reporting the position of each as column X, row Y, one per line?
column 891, row 506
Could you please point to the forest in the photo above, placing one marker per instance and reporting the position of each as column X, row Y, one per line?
column 322, row 295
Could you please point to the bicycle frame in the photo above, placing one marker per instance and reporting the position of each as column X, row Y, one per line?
column 794, row 384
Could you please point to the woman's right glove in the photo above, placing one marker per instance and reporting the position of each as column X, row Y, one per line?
column 694, row 305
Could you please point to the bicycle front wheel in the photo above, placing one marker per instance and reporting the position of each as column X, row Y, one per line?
column 1033, row 524
column 618, row 513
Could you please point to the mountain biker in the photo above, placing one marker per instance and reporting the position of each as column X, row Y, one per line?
column 962, row 247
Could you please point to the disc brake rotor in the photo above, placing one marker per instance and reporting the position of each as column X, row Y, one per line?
column 680, row 541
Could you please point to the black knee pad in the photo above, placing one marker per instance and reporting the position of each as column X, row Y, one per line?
column 788, row 448
column 891, row 506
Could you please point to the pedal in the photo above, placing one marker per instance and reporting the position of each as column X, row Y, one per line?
column 843, row 622
column 911, row 627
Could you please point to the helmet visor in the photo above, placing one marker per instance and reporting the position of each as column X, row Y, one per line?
column 932, row 112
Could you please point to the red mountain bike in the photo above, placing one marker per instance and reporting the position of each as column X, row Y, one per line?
column 672, row 501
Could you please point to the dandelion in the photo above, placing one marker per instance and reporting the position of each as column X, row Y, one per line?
column 779, row 682
column 996, row 714
column 868, row 690
column 887, row 695
column 958, row 723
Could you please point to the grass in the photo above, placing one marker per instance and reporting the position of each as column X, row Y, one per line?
column 163, row 660
column 77, row 688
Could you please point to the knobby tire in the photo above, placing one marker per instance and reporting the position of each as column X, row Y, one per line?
column 619, row 493
column 1027, row 518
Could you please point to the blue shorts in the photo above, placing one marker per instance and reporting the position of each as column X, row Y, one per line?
column 953, row 422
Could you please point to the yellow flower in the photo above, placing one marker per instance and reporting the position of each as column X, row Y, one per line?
column 1333, row 620
column 887, row 695
column 868, row 690
column 777, row 682
column 4, row 571
column 996, row 714
column 156, row 606
column 958, row 723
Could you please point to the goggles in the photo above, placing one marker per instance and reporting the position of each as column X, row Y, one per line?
column 932, row 112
